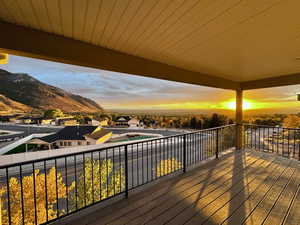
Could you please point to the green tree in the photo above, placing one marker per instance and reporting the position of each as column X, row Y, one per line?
column 193, row 123
column 53, row 113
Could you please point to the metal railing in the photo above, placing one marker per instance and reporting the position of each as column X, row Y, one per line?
column 41, row 191
column 282, row 141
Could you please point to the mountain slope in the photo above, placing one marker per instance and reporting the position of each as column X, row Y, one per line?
column 9, row 106
column 33, row 93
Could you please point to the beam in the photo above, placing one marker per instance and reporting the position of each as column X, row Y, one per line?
column 239, row 119
column 290, row 79
column 23, row 41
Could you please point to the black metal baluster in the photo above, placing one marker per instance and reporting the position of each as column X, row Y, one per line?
column 34, row 196
column 67, row 191
column 76, row 191
column 217, row 143
column 184, row 153
column 137, row 171
column 201, row 145
column 294, row 146
column 156, row 156
column 268, row 139
column 147, row 150
column 143, row 181
column 92, row 162
column 84, row 180
column 282, row 144
column 288, row 146
column 107, row 175
column 251, row 136
column 120, row 168
column 113, row 171
column 132, row 173
column 126, row 171
column 278, row 140
column 151, row 168
column 272, row 140
column 22, row 195
column 195, row 148
column 8, row 197
column 56, row 186
column 100, row 177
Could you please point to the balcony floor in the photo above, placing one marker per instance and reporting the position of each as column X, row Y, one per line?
column 244, row 187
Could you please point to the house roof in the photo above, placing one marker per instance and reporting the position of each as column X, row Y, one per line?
column 70, row 133
column 98, row 134
column 122, row 119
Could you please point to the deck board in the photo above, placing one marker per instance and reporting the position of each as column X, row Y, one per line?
column 245, row 187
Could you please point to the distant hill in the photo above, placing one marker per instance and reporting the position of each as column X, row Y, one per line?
column 22, row 90
column 10, row 106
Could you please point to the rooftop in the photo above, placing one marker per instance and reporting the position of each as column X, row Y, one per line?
column 70, row 133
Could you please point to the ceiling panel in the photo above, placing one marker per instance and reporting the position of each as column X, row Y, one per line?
column 240, row 40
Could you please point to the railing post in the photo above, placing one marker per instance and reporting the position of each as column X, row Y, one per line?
column 217, row 143
column 184, row 153
column 126, row 171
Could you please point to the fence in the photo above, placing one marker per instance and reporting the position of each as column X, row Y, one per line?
column 41, row 191
column 283, row 141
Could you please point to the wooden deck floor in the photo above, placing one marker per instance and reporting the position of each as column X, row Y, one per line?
column 240, row 188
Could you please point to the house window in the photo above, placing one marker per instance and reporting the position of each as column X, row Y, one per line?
column 69, row 143
column 79, row 143
column 65, row 143
column 88, row 143
column 61, row 143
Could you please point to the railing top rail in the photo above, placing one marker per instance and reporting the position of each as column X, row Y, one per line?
column 266, row 126
column 117, row 145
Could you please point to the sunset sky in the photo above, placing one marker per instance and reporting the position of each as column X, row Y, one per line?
column 121, row 91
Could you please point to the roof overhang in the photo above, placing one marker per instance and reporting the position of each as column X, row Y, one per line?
column 42, row 45
column 232, row 44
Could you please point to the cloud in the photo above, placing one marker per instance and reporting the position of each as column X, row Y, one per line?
column 115, row 90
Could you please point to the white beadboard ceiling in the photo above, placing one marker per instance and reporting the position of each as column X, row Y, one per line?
column 240, row 40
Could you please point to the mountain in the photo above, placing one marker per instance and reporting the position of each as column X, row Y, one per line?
column 10, row 106
column 28, row 91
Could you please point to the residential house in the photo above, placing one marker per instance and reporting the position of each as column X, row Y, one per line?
column 121, row 121
column 41, row 121
column 91, row 121
column 24, row 120
column 134, row 123
column 9, row 118
column 66, row 121
column 126, row 121
column 77, row 136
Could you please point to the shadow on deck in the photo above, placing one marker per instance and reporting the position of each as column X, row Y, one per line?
column 244, row 187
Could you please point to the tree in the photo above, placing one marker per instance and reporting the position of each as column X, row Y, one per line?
column 33, row 195
column 98, row 180
column 218, row 120
column 193, row 123
column 53, row 113
column 292, row 121
column 167, row 166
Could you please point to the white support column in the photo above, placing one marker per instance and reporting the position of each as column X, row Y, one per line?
column 239, row 119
